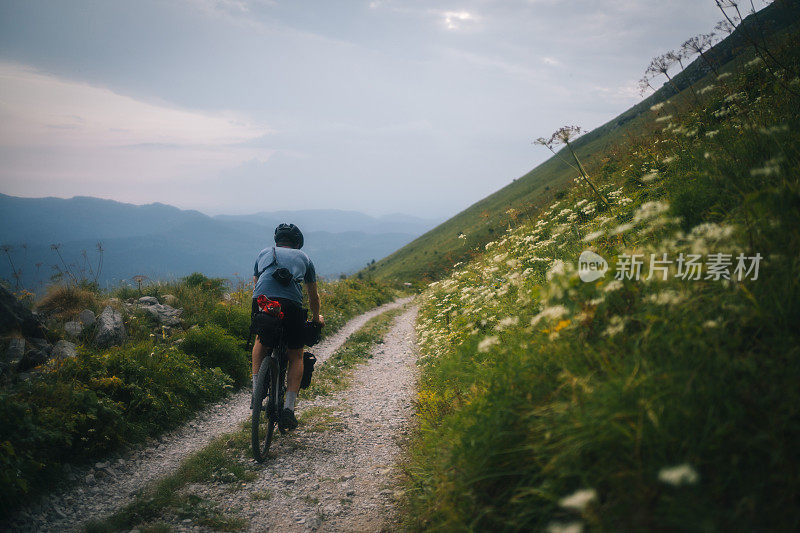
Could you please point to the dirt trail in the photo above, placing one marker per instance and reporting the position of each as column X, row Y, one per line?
column 112, row 483
column 337, row 471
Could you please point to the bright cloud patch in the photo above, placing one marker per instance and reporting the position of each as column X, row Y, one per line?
column 454, row 20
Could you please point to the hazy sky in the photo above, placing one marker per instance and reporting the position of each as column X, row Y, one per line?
column 236, row 106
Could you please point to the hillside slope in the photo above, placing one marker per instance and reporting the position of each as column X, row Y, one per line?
column 656, row 391
column 433, row 254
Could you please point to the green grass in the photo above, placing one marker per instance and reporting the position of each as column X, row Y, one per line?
column 219, row 462
column 536, row 386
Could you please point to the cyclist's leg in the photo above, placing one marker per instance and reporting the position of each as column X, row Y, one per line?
column 295, row 373
column 259, row 352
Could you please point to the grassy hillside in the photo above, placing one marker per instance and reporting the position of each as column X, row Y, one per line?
column 434, row 253
column 666, row 401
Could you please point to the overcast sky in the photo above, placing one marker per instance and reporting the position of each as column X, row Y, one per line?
column 237, row 106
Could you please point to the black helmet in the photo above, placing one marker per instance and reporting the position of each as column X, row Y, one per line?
column 289, row 233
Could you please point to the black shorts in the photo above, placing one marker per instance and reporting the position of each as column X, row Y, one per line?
column 294, row 320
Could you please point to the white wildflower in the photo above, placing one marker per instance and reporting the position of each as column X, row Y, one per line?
column 753, row 62
column 621, row 229
column 486, row 344
column 669, row 159
column 724, row 75
column 679, row 475
column 656, row 107
column 507, row 322
column 707, row 88
column 770, row 168
column 709, row 324
column 774, row 129
column 616, row 325
column 551, row 313
column 557, row 269
column 710, row 134
column 666, row 297
column 650, row 176
column 649, row 210
column 593, row 235
column 664, row 118
column 578, row 500
column 561, row 527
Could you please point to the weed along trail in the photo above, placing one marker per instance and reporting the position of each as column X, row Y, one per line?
column 106, row 487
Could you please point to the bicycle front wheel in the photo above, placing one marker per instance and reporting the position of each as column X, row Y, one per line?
column 265, row 415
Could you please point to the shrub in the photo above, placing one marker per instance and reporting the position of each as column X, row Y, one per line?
column 213, row 347
column 66, row 301
column 82, row 408
column 234, row 320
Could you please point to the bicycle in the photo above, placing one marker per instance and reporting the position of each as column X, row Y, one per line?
column 270, row 385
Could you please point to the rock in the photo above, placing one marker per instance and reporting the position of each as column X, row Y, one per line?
column 15, row 350
column 90, row 479
column 163, row 314
column 16, row 317
column 110, row 328
column 41, row 344
column 99, row 466
column 37, row 353
column 87, row 318
column 64, row 350
column 73, row 328
column 169, row 299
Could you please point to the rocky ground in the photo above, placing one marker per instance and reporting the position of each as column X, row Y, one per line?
column 100, row 489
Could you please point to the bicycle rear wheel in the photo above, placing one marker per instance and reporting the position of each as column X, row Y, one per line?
column 263, row 427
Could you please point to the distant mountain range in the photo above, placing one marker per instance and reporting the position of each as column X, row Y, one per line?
column 163, row 242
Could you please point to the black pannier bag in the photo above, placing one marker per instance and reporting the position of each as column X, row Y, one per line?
column 308, row 369
column 266, row 326
column 311, row 333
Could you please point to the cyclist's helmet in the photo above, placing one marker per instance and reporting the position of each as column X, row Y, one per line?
column 289, row 233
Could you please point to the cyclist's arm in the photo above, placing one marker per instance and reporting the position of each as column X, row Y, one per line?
column 313, row 302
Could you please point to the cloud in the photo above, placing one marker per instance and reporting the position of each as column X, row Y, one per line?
column 34, row 104
column 58, row 129
column 456, row 20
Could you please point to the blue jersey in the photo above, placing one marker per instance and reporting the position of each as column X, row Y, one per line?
column 275, row 257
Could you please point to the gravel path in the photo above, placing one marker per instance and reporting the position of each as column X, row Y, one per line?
column 336, row 472
column 98, row 491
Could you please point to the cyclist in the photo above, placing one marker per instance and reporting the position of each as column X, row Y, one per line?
column 285, row 287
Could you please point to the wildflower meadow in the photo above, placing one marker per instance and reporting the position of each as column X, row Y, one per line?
column 654, row 385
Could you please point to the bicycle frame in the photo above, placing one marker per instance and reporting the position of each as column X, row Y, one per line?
column 271, row 383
